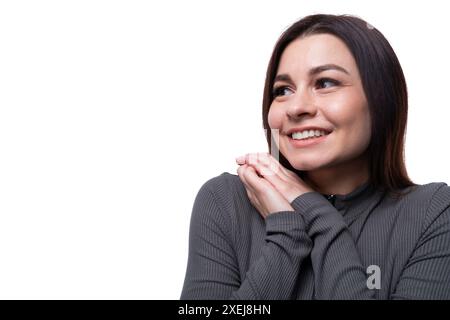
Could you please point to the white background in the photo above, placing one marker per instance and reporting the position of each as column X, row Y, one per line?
column 114, row 113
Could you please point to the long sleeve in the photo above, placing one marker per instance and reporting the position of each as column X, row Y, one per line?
column 212, row 268
column 427, row 273
column 338, row 270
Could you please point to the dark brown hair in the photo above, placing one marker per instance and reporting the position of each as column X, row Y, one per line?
column 384, row 86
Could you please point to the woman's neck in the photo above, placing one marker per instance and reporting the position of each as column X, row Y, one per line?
column 341, row 179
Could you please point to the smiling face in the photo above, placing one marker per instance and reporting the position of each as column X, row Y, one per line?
column 319, row 87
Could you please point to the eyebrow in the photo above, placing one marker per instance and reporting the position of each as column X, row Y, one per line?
column 312, row 71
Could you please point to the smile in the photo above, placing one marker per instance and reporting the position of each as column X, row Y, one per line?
column 299, row 140
column 306, row 134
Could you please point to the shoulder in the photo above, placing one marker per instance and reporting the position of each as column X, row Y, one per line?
column 439, row 203
column 227, row 194
column 223, row 185
column 430, row 189
column 227, row 191
column 428, row 201
column 429, row 194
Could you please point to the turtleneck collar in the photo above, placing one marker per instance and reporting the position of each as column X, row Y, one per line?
column 341, row 201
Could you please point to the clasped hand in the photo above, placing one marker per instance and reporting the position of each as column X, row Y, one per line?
column 270, row 187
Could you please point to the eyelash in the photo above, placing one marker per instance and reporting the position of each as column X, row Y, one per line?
column 276, row 91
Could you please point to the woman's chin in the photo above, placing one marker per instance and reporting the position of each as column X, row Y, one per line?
column 304, row 166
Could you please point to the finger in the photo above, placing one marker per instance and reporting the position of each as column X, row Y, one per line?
column 274, row 164
column 240, row 160
column 264, row 191
column 260, row 161
column 253, row 199
column 248, row 187
column 243, row 176
column 266, row 167
column 256, row 183
column 247, row 158
column 261, row 193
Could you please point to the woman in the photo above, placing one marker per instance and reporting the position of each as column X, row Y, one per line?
column 337, row 216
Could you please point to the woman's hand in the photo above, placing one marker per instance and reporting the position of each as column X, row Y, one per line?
column 270, row 187
column 264, row 197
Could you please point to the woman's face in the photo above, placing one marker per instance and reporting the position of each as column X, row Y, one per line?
column 319, row 87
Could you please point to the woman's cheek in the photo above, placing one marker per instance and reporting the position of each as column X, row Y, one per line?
column 274, row 118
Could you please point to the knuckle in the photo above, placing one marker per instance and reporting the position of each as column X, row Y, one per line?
column 261, row 157
column 252, row 158
column 274, row 167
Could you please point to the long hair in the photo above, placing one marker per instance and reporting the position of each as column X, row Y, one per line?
column 384, row 86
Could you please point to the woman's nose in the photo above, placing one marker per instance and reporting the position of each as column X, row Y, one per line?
column 300, row 104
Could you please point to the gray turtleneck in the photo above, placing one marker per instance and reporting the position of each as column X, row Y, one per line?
column 363, row 245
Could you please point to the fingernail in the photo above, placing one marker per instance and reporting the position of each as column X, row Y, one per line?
column 240, row 159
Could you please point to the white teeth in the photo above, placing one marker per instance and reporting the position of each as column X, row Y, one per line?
column 308, row 134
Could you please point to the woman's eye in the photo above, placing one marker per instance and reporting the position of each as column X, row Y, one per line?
column 325, row 83
column 279, row 91
column 322, row 83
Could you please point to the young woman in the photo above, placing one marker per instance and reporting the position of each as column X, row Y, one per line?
column 336, row 217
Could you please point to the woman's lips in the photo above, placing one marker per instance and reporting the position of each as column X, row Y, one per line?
column 307, row 142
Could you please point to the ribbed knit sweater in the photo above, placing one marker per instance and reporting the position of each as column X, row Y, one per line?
column 325, row 249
